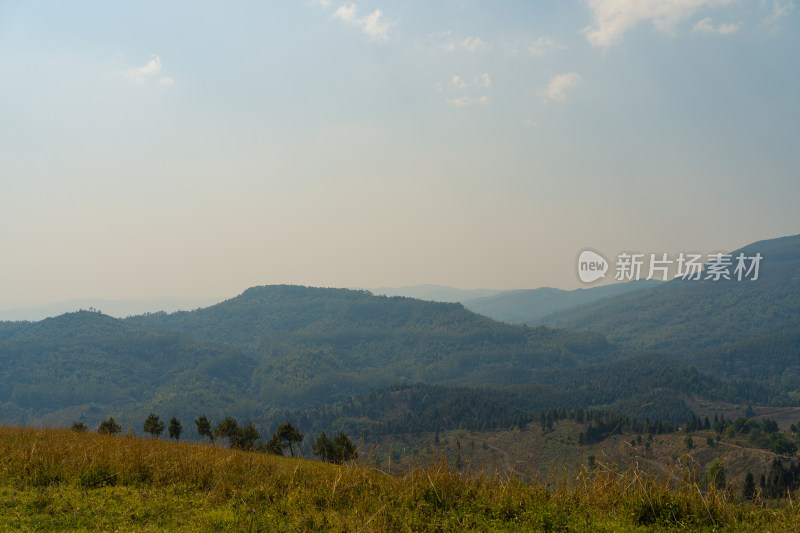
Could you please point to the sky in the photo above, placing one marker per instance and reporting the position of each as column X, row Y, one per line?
column 194, row 149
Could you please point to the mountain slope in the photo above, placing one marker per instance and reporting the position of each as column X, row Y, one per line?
column 318, row 344
column 688, row 316
column 86, row 364
column 270, row 347
column 530, row 306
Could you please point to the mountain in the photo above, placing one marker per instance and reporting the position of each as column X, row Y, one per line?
column 530, row 306
column 278, row 348
column 115, row 308
column 85, row 365
column 269, row 348
column 683, row 316
column 436, row 293
column 324, row 343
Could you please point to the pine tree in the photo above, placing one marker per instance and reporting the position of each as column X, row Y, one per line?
column 227, row 428
column 153, row 425
column 749, row 489
column 245, row 438
column 175, row 428
column 338, row 450
column 323, row 447
column 204, row 427
column 108, row 427
column 776, row 484
column 288, row 434
column 274, row 446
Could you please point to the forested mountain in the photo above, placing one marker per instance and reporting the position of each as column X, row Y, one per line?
column 279, row 348
column 269, row 348
column 531, row 306
column 316, row 343
column 685, row 317
column 85, row 365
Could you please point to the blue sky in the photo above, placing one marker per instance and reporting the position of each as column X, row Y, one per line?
column 190, row 150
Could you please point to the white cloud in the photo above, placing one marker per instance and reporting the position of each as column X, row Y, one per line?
column 529, row 122
column 458, row 83
column 483, row 80
column 558, row 84
column 373, row 25
column 141, row 74
column 457, row 87
column 459, row 102
column 780, row 8
column 473, row 44
column 346, row 13
column 324, row 4
column 470, row 44
column 612, row 18
column 166, row 81
column 542, row 45
column 705, row 26
column 467, row 101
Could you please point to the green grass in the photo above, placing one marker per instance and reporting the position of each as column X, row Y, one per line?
column 56, row 480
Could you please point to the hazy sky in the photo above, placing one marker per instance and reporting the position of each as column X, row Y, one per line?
column 190, row 150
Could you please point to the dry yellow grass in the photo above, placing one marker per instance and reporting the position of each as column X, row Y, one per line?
column 57, row 479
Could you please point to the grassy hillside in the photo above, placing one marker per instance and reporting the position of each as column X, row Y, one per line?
column 55, row 479
column 534, row 453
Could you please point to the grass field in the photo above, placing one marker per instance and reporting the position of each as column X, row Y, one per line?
column 57, row 480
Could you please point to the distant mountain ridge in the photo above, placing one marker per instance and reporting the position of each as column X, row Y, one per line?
column 532, row 305
column 684, row 316
column 115, row 308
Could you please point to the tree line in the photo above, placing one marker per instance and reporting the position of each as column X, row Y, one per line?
column 338, row 450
